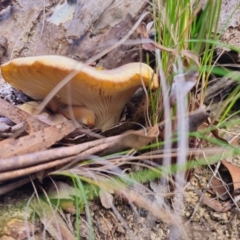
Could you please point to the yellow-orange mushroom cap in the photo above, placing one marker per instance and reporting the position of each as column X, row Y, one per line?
column 103, row 92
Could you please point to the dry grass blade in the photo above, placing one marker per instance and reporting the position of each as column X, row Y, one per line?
column 133, row 196
column 150, row 45
column 38, row 141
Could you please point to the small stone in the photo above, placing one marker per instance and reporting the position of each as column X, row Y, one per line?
column 220, row 217
column 18, row 229
column 143, row 212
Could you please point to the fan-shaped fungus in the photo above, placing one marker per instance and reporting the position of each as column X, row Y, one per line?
column 97, row 96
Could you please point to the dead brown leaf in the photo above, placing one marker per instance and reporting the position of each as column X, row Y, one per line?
column 235, row 174
column 216, row 205
column 18, row 116
column 106, row 198
column 220, row 189
column 229, row 173
column 134, row 139
column 145, row 36
column 38, row 141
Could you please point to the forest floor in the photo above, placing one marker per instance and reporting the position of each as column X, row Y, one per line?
column 29, row 28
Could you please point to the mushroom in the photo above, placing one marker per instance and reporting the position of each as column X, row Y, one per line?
column 97, row 98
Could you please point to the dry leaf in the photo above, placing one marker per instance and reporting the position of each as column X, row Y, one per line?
column 135, row 139
column 106, row 198
column 229, row 172
column 235, row 175
column 38, row 141
column 216, row 205
column 18, row 116
column 144, row 32
column 215, row 133
column 219, row 189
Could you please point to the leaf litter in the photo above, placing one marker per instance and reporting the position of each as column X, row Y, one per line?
column 38, row 157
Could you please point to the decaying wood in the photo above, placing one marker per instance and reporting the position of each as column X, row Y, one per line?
column 87, row 12
column 117, row 44
column 91, row 25
column 220, row 88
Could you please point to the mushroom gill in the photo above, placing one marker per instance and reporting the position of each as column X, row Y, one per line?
column 97, row 96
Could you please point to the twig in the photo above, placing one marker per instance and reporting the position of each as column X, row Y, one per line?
column 11, row 186
column 30, row 159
